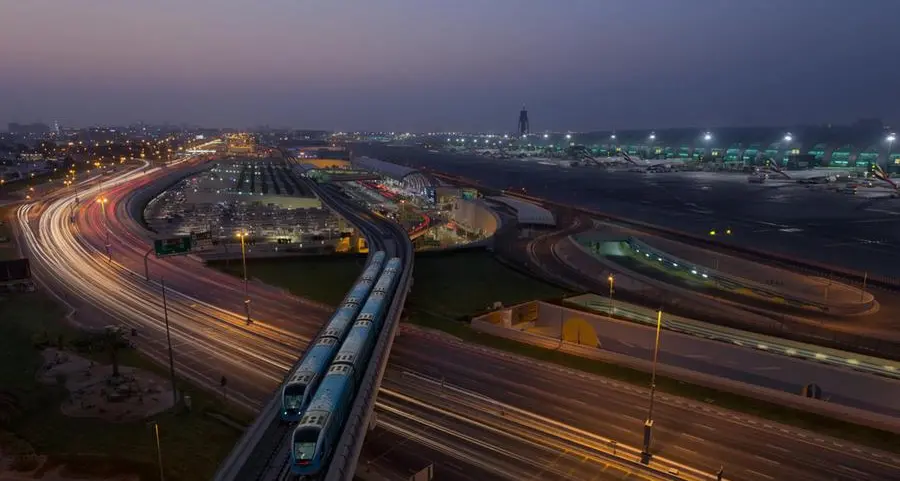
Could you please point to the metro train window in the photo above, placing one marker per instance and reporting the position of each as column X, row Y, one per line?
column 304, row 451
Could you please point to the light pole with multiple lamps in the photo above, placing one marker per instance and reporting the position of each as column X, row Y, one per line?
column 648, row 424
column 242, row 235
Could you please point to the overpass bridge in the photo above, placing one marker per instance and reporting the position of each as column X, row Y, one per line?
column 263, row 452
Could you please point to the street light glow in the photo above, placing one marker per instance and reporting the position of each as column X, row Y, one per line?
column 652, row 136
column 891, row 138
column 788, row 137
column 613, row 136
column 568, row 136
column 707, row 136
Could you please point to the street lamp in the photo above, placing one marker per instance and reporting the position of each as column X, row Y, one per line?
column 890, row 140
column 648, row 424
column 103, row 201
column 612, row 281
column 158, row 450
column 242, row 235
column 788, row 137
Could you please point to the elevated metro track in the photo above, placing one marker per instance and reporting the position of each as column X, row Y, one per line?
column 263, row 452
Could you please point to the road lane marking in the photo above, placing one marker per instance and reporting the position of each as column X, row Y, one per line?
column 778, row 448
column 691, row 451
column 770, row 461
column 757, row 473
column 694, row 438
column 854, row 471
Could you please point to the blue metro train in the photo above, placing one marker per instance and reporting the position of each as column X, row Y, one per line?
column 301, row 386
column 320, row 427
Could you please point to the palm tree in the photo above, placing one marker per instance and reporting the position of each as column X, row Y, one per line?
column 112, row 340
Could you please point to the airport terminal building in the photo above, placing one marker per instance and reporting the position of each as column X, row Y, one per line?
column 857, row 146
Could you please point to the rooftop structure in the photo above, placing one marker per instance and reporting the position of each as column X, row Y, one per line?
column 411, row 179
column 526, row 212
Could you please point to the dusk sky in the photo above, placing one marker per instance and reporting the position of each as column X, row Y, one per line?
column 422, row 65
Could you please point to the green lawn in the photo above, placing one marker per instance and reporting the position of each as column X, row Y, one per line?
column 324, row 279
column 193, row 443
column 450, row 285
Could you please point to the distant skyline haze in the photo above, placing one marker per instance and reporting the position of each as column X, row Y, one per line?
column 465, row 65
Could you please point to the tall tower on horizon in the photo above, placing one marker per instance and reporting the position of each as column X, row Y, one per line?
column 524, row 127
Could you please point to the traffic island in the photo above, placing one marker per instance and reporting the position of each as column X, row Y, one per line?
column 769, row 288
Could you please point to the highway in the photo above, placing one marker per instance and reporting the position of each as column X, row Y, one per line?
column 688, row 432
column 212, row 340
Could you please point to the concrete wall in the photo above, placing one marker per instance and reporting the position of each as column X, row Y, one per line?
column 863, row 398
column 475, row 215
column 798, row 402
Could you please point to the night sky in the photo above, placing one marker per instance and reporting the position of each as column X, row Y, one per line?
column 462, row 65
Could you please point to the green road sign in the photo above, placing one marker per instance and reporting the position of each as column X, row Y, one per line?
column 172, row 247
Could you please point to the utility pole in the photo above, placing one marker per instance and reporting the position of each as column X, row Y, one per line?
column 158, row 451
column 162, row 282
column 242, row 235
column 612, row 281
column 862, row 291
column 648, row 424
column 146, row 264
column 103, row 201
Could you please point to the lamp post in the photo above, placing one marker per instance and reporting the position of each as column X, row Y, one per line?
column 890, row 140
column 103, row 201
column 648, row 424
column 707, row 138
column 242, row 235
column 162, row 283
column 158, row 450
column 652, row 138
column 612, row 281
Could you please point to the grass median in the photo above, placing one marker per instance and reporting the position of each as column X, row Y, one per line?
column 193, row 442
column 450, row 287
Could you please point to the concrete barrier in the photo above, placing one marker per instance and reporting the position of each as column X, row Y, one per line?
column 842, row 413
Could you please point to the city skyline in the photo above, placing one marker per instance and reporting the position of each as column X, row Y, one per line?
column 404, row 66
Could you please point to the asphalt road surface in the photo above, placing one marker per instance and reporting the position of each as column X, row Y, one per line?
column 796, row 220
column 691, row 433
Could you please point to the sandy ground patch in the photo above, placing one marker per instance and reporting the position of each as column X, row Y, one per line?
column 134, row 395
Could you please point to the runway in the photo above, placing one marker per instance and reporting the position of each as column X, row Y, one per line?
column 806, row 222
